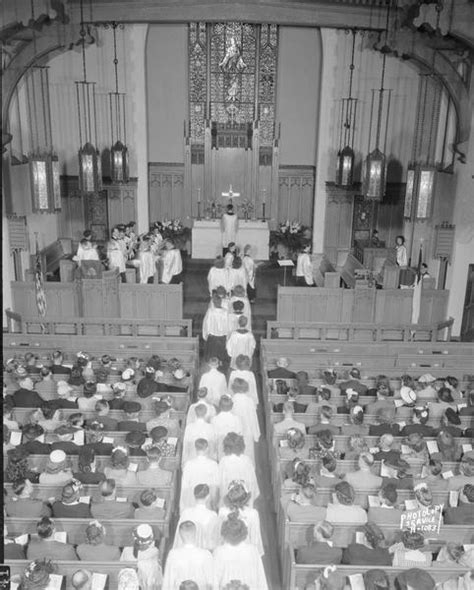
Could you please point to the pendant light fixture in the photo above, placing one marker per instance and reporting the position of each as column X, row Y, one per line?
column 374, row 169
column 118, row 126
column 90, row 168
column 345, row 155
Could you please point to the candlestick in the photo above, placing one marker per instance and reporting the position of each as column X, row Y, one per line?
column 199, row 210
column 263, row 210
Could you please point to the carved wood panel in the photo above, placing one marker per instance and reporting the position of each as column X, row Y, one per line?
column 166, row 191
column 295, row 194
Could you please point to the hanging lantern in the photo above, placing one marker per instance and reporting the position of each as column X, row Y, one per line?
column 374, row 175
column 419, row 191
column 118, row 126
column 345, row 155
column 90, row 165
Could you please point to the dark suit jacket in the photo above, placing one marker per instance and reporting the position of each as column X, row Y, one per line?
column 298, row 408
column 61, row 510
column 27, row 508
column 89, row 478
column 357, row 386
column 67, row 446
column 379, row 429
column 13, row 551
column 39, row 549
column 101, row 448
column 60, row 370
column 463, row 514
column 281, row 373
column 112, row 510
column 116, row 404
column 306, row 390
column 356, row 554
column 62, row 404
column 320, row 553
column 423, row 429
column 406, row 483
column 34, row 447
column 24, row 398
column 129, row 425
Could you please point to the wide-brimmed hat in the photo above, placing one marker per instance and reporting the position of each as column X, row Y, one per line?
column 135, row 438
column 408, row 395
column 128, row 374
column 143, row 534
column 56, row 461
column 427, row 378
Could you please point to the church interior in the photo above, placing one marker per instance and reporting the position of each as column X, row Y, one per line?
column 300, row 170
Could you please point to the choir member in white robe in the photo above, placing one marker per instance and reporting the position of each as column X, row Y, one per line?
column 198, row 429
column 215, row 330
column 214, row 381
column 243, row 371
column 238, row 275
column 201, row 469
column 236, row 559
column 236, row 465
column 116, row 252
column 147, row 556
column 239, row 294
column 206, row 520
column 237, row 500
column 250, row 269
column 240, row 342
column 225, row 422
column 172, row 264
column 86, row 251
column 202, row 398
column 146, row 260
column 245, row 408
column 188, row 562
column 218, row 276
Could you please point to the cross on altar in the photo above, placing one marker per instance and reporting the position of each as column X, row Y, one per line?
column 230, row 193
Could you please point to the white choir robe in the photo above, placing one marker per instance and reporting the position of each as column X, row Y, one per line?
column 250, row 267
column 172, row 265
column 146, row 265
column 240, row 342
column 116, row 255
column 249, row 377
column 188, row 563
column 252, row 519
column 224, row 423
column 216, row 385
column 215, row 322
column 201, row 469
column 239, row 562
column 211, row 411
column 148, row 566
column 245, row 409
column 207, row 527
column 238, row 276
column 229, row 227
column 235, row 467
column 218, row 277
column 247, row 312
column 198, row 429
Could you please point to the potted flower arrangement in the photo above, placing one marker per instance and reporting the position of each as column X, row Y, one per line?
column 174, row 229
column 288, row 239
column 213, row 209
column 247, row 209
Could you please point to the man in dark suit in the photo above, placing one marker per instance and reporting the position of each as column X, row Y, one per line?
column 65, row 440
column 368, row 548
column 31, row 432
column 354, row 383
column 57, row 367
column 320, row 550
column 108, row 507
column 132, row 417
column 464, row 512
column 45, row 546
column 94, row 438
column 281, row 371
column 25, row 396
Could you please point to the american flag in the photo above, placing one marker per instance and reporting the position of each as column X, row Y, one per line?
column 39, row 288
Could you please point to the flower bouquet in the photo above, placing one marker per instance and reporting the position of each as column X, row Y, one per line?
column 213, row 209
column 289, row 238
column 173, row 229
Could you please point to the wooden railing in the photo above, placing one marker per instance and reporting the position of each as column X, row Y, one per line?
column 97, row 326
column 359, row 332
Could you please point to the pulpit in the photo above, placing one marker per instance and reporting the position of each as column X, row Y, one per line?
column 207, row 238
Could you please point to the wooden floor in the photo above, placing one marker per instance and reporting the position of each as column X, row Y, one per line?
column 196, row 300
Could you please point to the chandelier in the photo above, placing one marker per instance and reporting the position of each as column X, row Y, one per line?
column 90, row 166
column 345, row 155
column 118, row 128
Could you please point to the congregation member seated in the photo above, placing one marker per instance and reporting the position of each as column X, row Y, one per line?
column 147, row 386
column 58, row 367
column 214, row 381
column 26, row 396
column 146, row 554
column 455, row 555
column 281, row 371
column 46, row 385
column 323, row 398
column 63, row 440
column 153, row 474
column 419, row 423
column 302, row 384
column 351, row 400
column 22, row 505
column 449, row 449
column 163, row 409
column 368, row 548
column 132, row 417
column 463, row 513
column 432, row 475
column 386, row 424
column 408, row 551
column 8, row 420
column 356, row 423
column 397, row 472
column 466, row 472
column 102, row 409
column 66, row 398
column 188, row 561
column 95, row 548
column 31, row 367
column 344, row 510
column 450, row 422
column 294, row 445
column 95, row 439
column 425, row 389
column 201, row 469
column 18, row 466
column 292, row 397
column 469, row 409
column 445, row 401
column 87, row 467
column 44, row 545
column 134, row 441
column 32, row 437
column 302, row 508
column 235, row 465
column 452, row 384
column 354, row 383
column 288, row 421
column 236, row 558
column 424, row 496
column 119, row 391
column 327, row 477
column 128, row 379
column 385, row 448
column 384, row 396
column 118, row 468
column 108, row 506
column 387, row 512
column 326, row 415
column 89, row 398
column 320, row 549
column 415, row 449
column 356, row 445
column 70, row 505
column 57, row 470
column 363, row 478
column 382, row 387
column 148, row 506
column 49, row 417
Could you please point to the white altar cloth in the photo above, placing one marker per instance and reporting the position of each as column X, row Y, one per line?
column 207, row 238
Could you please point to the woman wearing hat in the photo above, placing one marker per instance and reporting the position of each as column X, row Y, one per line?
column 37, row 575
column 368, row 548
column 419, row 422
column 320, row 549
column 356, row 423
column 150, row 506
column 49, row 417
column 118, row 468
column 302, row 505
column 95, row 548
column 237, row 500
column 445, row 401
column 448, row 447
column 18, row 466
column 345, row 510
column 163, row 409
column 147, row 556
column 87, row 467
column 70, row 505
column 57, row 470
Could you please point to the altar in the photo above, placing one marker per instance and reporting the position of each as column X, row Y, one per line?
column 207, row 238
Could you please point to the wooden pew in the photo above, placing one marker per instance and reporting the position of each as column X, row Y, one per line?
column 348, row 270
